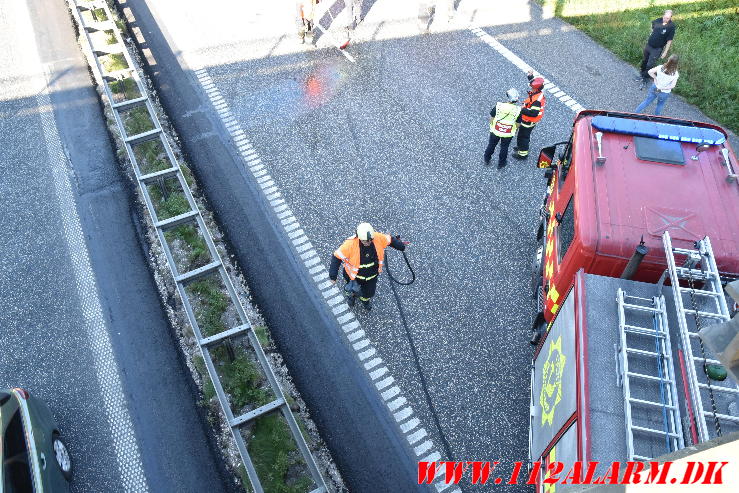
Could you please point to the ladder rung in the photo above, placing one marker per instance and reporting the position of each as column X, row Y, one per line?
column 656, row 432
column 717, row 316
column 99, row 26
column 270, row 406
column 129, row 102
column 630, row 297
column 135, row 139
column 719, row 388
column 117, row 75
column 646, row 377
column 209, row 341
column 158, row 174
column 176, row 220
column 320, row 489
column 708, row 360
column 726, row 417
column 696, row 274
column 635, row 329
column 641, row 308
column 651, row 403
column 112, row 50
column 641, row 457
column 647, row 353
column 701, row 292
column 199, row 272
column 686, row 251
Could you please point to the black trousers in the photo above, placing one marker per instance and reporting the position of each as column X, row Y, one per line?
column 368, row 287
column 523, row 140
column 505, row 142
column 649, row 57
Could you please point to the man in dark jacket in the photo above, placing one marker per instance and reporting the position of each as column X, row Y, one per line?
column 658, row 44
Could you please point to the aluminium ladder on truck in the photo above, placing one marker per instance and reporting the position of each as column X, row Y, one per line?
column 707, row 305
column 646, row 369
column 94, row 17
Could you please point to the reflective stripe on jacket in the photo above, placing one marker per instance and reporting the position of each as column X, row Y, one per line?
column 528, row 103
column 504, row 122
column 348, row 253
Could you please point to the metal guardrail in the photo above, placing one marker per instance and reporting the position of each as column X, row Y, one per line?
column 193, row 216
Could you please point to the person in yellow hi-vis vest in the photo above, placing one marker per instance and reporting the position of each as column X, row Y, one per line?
column 503, row 121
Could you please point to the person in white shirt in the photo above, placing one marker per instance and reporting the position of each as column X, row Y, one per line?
column 664, row 77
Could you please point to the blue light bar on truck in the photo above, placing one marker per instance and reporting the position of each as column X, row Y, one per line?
column 658, row 130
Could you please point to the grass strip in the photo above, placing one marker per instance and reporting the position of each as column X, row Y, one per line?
column 214, row 305
column 175, row 202
column 705, row 39
column 276, row 456
column 242, row 378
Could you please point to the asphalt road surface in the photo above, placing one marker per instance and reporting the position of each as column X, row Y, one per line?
column 294, row 141
column 80, row 320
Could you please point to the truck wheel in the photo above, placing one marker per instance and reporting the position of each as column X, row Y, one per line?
column 61, row 454
column 540, row 231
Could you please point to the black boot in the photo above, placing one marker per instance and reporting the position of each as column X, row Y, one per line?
column 367, row 304
column 350, row 300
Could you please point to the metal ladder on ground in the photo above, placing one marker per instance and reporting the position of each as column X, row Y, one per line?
column 658, row 336
column 699, row 265
column 130, row 74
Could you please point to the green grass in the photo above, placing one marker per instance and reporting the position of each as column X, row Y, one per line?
column 706, row 40
column 261, row 332
column 214, row 305
column 136, row 121
column 150, row 156
column 126, row 88
column 208, row 390
column 110, row 37
column 114, row 62
column 175, row 202
column 198, row 254
column 272, row 450
column 242, row 379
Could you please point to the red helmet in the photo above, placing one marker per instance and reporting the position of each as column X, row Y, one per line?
column 537, row 84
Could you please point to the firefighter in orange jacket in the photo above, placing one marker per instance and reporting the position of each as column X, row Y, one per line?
column 531, row 114
column 362, row 257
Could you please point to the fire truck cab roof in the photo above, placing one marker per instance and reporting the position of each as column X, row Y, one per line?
column 626, row 178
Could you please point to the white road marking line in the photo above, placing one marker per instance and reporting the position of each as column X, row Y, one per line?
column 416, row 436
column 341, row 308
column 409, row 425
column 435, row 457
column 374, row 375
column 313, row 261
column 357, row 335
column 384, row 383
column 331, row 292
column 322, row 275
column 310, row 253
column 518, row 62
column 290, row 227
column 442, row 485
column 318, row 268
column 274, row 196
column 275, row 202
column 324, row 284
column 260, row 173
column 335, row 300
column 303, row 247
column 423, row 448
column 346, row 318
column 397, row 403
column 351, row 326
column 335, row 43
column 390, row 393
column 361, row 344
column 366, row 354
column 403, row 414
column 256, row 166
column 295, row 234
column 373, row 362
column 288, row 218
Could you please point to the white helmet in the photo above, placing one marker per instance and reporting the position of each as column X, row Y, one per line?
column 365, row 231
column 512, row 95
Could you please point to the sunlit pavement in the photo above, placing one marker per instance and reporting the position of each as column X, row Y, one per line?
column 394, row 134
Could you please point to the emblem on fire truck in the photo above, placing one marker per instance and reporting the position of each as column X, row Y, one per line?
column 551, row 389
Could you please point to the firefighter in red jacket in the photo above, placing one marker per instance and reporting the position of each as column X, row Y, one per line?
column 362, row 256
column 531, row 114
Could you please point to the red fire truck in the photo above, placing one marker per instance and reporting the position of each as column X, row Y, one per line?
column 639, row 232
